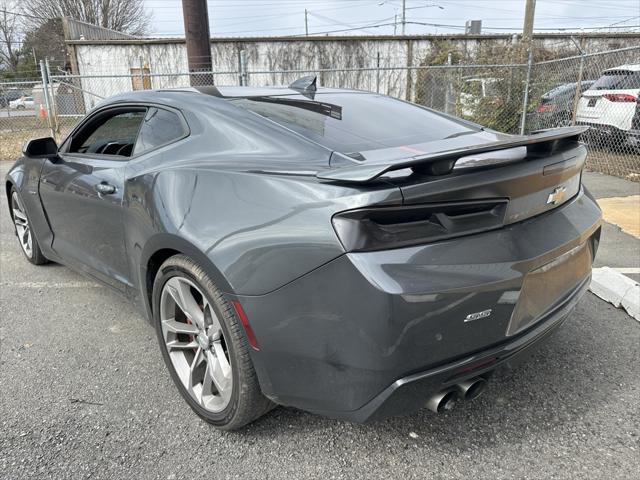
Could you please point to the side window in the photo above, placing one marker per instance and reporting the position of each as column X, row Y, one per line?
column 632, row 81
column 110, row 134
column 159, row 128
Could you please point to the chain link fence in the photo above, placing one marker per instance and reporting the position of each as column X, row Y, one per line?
column 511, row 98
column 17, row 116
column 593, row 90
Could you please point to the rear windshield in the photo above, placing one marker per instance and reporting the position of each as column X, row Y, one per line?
column 617, row 80
column 357, row 122
column 560, row 90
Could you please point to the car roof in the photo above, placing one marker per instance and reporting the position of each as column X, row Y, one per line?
column 633, row 67
column 192, row 97
column 234, row 91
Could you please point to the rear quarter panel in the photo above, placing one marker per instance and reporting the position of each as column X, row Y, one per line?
column 241, row 195
column 259, row 231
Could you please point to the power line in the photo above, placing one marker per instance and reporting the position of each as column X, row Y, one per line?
column 439, row 25
column 22, row 14
column 355, row 3
column 336, row 22
column 624, row 21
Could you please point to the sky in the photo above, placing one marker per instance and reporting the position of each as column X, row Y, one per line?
column 233, row 18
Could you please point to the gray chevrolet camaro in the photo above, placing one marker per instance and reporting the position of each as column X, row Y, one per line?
column 334, row 250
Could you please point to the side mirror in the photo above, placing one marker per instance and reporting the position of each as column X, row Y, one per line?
column 41, row 148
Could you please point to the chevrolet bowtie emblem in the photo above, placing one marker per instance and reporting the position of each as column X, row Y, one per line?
column 557, row 195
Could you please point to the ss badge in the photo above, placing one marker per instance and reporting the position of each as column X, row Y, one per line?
column 475, row 316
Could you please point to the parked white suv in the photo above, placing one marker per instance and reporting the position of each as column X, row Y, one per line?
column 610, row 103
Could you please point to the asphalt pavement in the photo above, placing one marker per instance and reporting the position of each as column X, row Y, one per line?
column 619, row 249
column 84, row 394
column 10, row 113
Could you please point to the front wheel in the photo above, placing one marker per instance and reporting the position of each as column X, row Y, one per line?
column 28, row 242
column 204, row 347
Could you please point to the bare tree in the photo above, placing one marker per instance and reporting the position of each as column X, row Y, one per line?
column 10, row 35
column 128, row 16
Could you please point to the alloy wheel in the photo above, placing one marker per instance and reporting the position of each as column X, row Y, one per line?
column 196, row 345
column 21, row 222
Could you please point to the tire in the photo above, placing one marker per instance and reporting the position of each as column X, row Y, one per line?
column 22, row 228
column 228, row 408
column 20, row 107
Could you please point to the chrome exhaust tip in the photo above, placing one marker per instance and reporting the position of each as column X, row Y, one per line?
column 472, row 388
column 442, row 401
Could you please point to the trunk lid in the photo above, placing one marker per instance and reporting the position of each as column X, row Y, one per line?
column 533, row 174
column 530, row 187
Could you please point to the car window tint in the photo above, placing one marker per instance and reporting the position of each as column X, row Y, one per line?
column 618, row 80
column 159, row 128
column 114, row 135
column 561, row 90
column 351, row 123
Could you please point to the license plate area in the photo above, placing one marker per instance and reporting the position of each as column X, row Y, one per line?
column 592, row 102
column 544, row 287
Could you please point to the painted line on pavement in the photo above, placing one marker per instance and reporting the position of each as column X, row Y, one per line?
column 50, row 284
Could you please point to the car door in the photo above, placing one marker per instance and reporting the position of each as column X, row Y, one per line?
column 82, row 193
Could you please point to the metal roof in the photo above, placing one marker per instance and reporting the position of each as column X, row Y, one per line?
column 77, row 30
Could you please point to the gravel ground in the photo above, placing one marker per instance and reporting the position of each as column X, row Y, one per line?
column 84, row 394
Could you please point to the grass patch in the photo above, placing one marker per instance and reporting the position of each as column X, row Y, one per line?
column 14, row 132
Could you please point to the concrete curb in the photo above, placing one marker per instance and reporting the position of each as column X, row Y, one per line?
column 617, row 289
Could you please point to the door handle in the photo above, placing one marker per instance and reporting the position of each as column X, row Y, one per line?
column 105, row 188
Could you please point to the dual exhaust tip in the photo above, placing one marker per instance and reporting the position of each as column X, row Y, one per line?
column 447, row 399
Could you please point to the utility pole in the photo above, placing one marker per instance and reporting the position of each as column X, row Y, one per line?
column 404, row 15
column 395, row 23
column 526, row 52
column 527, row 28
column 576, row 97
column 306, row 23
column 196, row 32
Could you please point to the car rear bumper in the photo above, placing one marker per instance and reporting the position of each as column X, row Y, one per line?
column 409, row 394
column 373, row 334
column 603, row 129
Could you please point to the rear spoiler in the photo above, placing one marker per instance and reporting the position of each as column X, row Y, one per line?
column 439, row 163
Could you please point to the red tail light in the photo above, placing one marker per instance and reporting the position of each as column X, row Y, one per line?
column 380, row 228
column 619, row 97
column 546, row 107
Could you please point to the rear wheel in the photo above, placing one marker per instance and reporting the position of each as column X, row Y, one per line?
column 28, row 242
column 204, row 347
